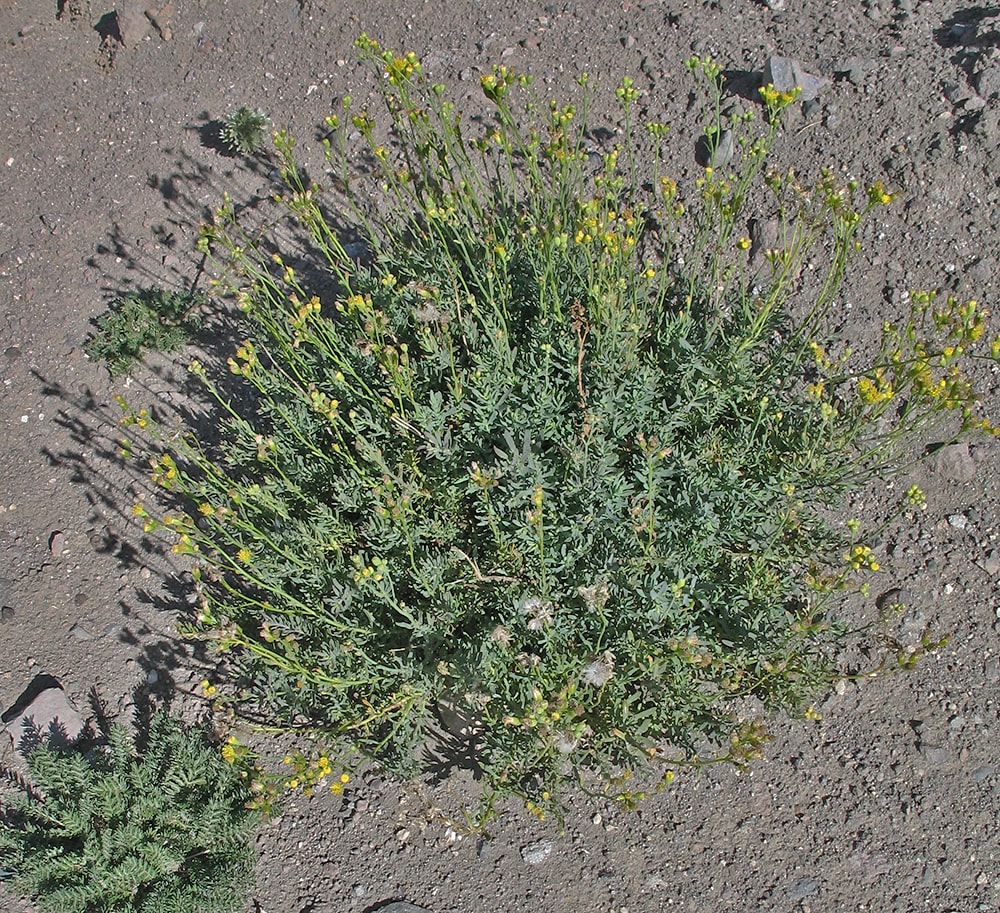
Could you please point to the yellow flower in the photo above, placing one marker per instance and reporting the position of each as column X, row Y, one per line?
column 877, row 389
column 244, row 556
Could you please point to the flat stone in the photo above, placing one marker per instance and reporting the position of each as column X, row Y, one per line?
column 722, row 155
column 804, row 887
column 855, row 68
column 953, row 461
column 935, row 754
column 786, row 74
column 42, row 714
column 982, row 774
column 536, row 853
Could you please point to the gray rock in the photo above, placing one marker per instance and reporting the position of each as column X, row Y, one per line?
column 935, row 754
column 988, row 81
column 897, row 596
column 953, row 461
column 42, row 714
column 856, row 69
column 982, row 774
column 991, row 562
column 957, row 92
column 958, row 521
column 536, row 853
column 722, row 155
column 804, row 887
column 786, row 74
column 6, row 613
column 763, row 235
column 81, row 632
column 133, row 23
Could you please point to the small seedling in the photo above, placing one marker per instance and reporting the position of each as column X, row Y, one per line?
column 152, row 319
column 243, row 130
column 154, row 823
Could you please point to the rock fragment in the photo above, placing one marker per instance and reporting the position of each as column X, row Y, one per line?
column 57, row 542
column 856, row 69
column 786, row 74
column 42, row 714
column 536, row 853
column 954, row 461
column 133, row 23
column 803, row 888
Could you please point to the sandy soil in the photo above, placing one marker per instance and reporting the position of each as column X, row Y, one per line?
column 889, row 803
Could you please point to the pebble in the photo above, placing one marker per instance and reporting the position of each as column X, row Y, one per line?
column 80, row 632
column 6, row 613
column 958, row 521
column 935, row 754
column 536, row 853
column 804, row 887
column 57, row 542
column 982, row 774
